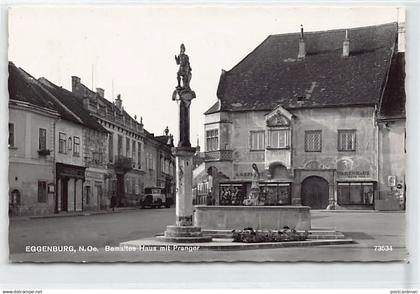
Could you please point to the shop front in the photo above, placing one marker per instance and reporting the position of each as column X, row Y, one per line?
column 271, row 193
column 69, row 192
column 357, row 194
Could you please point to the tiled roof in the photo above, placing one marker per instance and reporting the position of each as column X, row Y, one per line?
column 24, row 87
column 393, row 101
column 271, row 75
column 73, row 103
column 214, row 108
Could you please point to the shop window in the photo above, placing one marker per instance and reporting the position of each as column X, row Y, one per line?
column 257, row 140
column 313, row 141
column 355, row 193
column 62, row 141
column 11, row 135
column 232, row 194
column 42, row 139
column 346, row 140
column 275, row 194
column 42, row 191
column 278, row 139
column 212, row 140
column 76, row 146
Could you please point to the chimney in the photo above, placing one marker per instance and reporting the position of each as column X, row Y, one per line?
column 118, row 102
column 75, row 82
column 346, row 45
column 86, row 102
column 100, row 92
column 302, row 49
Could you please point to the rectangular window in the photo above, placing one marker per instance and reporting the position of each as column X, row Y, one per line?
column 355, row 193
column 120, row 143
column 278, row 138
column 11, row 135
column 133, row 151
column 212, row 140
column 346, row 140
column 42, row 191
column 139, row 155
column 151, row 163
column 76, row 146
column 62, row 143
column 313, row 141
column 42, row 139
column 111, row 147
column 257, row 140
column 127, row 147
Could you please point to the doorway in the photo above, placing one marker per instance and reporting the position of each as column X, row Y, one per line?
column 64, row 194
column 315, row 192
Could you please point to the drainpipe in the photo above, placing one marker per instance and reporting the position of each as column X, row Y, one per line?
column 54, row 171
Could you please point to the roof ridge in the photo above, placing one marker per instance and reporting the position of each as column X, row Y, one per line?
column 336, row 30
column 60, row 103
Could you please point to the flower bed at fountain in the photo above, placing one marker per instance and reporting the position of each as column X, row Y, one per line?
column 249, row 235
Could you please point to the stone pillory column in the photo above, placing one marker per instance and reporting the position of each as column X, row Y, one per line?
column 184, row 231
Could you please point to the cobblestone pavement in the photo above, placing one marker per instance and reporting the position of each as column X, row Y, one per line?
column 367, row 229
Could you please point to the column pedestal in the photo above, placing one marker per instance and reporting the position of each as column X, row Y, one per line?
column 184, row 231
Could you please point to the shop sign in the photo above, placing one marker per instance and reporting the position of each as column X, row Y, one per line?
column 244, row 174
column 354, row 174
column 51, row 188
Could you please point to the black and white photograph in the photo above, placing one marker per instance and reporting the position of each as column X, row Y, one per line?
column 207, row 134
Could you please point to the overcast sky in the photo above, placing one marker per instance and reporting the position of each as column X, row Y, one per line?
column 133, row 48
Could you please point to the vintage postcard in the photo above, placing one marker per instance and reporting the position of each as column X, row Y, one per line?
column 213, row 133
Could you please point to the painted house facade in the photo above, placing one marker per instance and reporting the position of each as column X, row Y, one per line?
column 304, row 108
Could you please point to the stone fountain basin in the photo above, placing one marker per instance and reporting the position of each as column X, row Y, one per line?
column 258, row 217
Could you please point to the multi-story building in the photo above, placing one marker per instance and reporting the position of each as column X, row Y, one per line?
column 48, row 134
column 82, row 153
column 392, row 139
column 32, row 120
column 134, row 154
column 304, row 107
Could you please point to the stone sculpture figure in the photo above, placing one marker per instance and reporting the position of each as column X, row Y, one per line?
column 254, row 194
column 183, row 94
column 184, row 70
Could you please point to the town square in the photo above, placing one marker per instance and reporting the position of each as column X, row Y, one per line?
column 294, row 150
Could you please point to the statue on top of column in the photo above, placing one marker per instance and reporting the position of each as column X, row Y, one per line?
column 184, row 70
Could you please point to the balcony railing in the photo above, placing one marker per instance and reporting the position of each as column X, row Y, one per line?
column 218, row 155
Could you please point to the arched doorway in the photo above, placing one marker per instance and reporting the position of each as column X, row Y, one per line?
column 315, row 192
